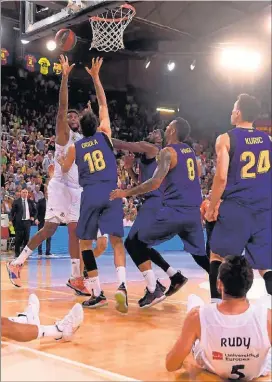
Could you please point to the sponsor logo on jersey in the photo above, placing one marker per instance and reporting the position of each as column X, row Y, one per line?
column 216, row 355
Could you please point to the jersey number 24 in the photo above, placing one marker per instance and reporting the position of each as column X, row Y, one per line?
column 95, row 161
column 263, row 164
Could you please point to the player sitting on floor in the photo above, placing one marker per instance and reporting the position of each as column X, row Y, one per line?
column 233, row 338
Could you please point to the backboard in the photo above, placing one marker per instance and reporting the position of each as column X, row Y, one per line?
column 41, row 18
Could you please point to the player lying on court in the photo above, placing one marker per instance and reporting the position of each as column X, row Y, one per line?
column 26, row 326
column 180, row 212
column 64, row 193
column 243, row 180
column 152, row 201
column 97, row 169
column 233, row 338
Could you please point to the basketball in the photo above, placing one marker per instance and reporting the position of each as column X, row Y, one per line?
column 66, row 39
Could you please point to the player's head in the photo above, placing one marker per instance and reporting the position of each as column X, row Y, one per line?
column 235, row 277
column 88, row 123
column 156, row 137
column 177, row 131
column 246, row 109
column 73, row 119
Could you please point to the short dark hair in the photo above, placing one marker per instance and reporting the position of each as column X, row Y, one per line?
column 73, row 111
column 89, row 124
column 249, row 107
column 236, row 275
column 183, row 129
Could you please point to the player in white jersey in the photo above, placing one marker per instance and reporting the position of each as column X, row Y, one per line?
column 232, row 338
column 64, row 193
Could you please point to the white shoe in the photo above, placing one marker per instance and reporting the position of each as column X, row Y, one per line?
column 33, row 310
column 71, row 322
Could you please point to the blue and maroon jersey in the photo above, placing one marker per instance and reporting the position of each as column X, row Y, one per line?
column 146, row 171
column 181, row 185
column 95, row 160
column 249, row 175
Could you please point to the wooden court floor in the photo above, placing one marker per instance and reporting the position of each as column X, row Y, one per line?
column 108, row 346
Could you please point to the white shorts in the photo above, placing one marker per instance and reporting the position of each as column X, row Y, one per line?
column 99, row 234
column 63, row 203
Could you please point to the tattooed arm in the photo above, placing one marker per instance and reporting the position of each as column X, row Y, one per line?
column 164, row 164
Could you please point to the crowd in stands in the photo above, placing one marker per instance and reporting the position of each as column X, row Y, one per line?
column 28, row 112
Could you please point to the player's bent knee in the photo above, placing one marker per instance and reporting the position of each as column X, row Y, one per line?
column 137, row 255
column 115, row 240
column 215, row 257
column 101, row 246
column 72, row 227
column 85, row 245
column 49, row 229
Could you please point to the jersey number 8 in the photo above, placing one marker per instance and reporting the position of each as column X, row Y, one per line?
column 263, row 164
column 191, row 168
column 95, row 161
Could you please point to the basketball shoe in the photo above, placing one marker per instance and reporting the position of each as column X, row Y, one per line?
column 151, row 299
column 70, row 323
column 14, row 273
column 177, row 282
column 121, row 299
column 31, row 312
column 77, row 284
column 96, row 301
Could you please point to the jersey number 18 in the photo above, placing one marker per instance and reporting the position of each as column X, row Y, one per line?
column 95, row 161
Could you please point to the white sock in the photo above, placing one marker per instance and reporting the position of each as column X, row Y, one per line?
column 171, row 271
column 24, row 255
column 75, row 264
column 121, row 275
column 150, row 280
column 93, row 283
column 19, row 320
column 49, row 331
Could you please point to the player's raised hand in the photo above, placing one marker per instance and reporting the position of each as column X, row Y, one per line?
column 128, row 161
column 96, row 65
column 66, row 68
column 117, row 194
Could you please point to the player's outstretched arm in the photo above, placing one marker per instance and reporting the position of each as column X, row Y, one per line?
column 62, row 128
column 136, row 147
column 184, row 344
column 222, row 147
column 101, row 97
column 67, row 161
column 164, row 164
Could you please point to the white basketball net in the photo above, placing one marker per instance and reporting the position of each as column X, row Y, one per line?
column 108, row 29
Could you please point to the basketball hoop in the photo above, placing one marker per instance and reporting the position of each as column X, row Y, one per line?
column 108, row 28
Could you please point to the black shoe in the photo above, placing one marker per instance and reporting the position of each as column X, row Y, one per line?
column 151, row 299
column 162, row 287
column 95, row 302
column 177, row 282
column 121, row 299
column 39, row 253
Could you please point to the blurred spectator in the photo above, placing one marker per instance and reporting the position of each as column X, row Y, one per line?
column 48, row 159
column 41, row 209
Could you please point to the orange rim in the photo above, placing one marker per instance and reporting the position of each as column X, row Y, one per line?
column 127, row 6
